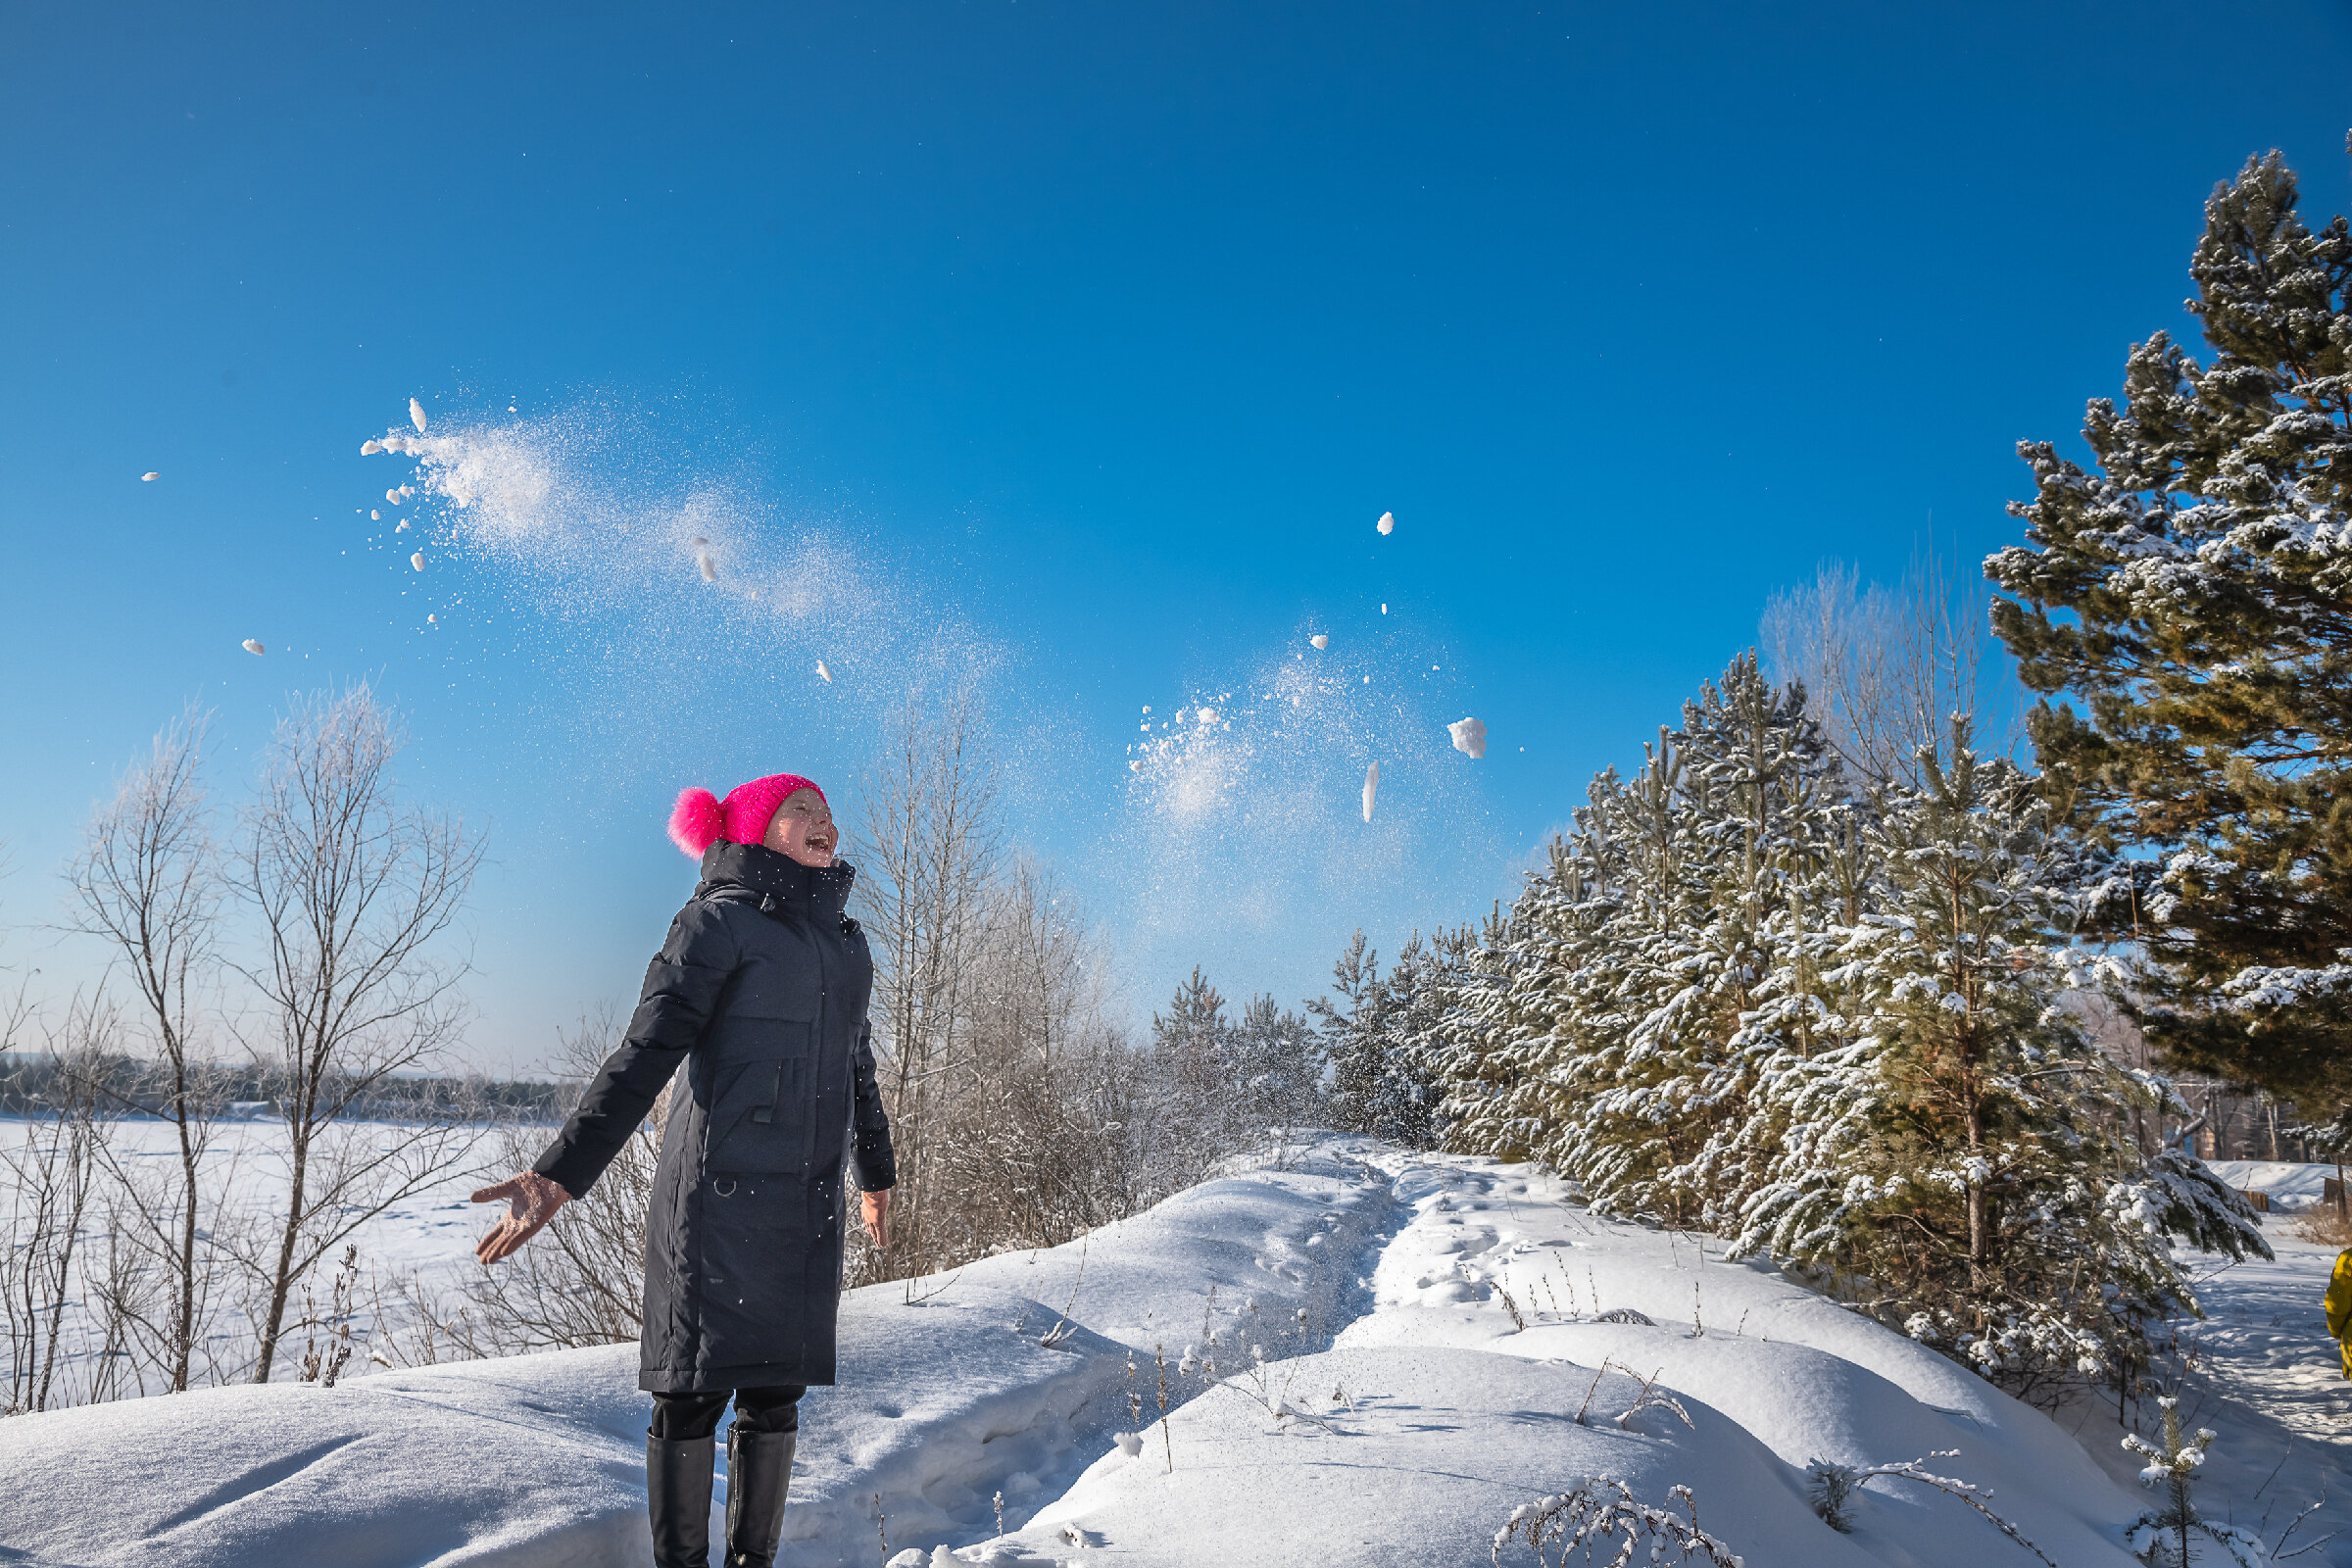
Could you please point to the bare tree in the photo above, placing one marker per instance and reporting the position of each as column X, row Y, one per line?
column 352, row 891
column 927, row 851
column 147, row 882
column 582, row 1282
column 53, row 1176
column 1886, row 668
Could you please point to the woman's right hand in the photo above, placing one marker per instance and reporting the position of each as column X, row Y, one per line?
column 532, row 1201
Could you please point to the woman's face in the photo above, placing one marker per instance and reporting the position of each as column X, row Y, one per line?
column 802, row 829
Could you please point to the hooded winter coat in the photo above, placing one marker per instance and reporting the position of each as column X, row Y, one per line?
column 761, row 994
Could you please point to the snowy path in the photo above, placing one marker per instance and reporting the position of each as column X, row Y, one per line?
column 1455, row 1413
column 1430, row 1330
column 2262, row 1373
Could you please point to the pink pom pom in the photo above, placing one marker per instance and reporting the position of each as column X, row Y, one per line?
column 694, row 821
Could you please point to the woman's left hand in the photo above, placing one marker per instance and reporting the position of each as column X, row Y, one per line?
column 874, row 1208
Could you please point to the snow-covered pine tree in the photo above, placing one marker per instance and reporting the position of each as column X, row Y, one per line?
column 2194, row 590
column 1955, row 1163
column 1378, row 1085
column 1729, row 820
column 1430, row 1010
column 1191, row 1066
column 1277, row 1067
column 1488, row 1058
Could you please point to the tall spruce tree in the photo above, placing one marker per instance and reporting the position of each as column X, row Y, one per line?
column 1958, row 1160
column 2194, row 590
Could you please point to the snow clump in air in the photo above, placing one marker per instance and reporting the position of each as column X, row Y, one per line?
column 417, row 415
column 1320, row 640
column 417, row 561
column 1371, row 788
column 822, row 673
column 149, row 478
column 1469, row 737
column 375, row 516
column 252, row 644
column 1387, row 523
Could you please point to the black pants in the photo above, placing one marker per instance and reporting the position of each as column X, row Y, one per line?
column 680, row 1417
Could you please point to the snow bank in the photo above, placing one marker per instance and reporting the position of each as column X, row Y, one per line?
column 1373, row 1358
column 2291, row 1186
column 949, row 1392
column 1436, row 1449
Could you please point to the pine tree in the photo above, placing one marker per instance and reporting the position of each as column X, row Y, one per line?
column 1687, row 991
column 1277, row 1067
column 1379, row 1085
column 1193, row 1052
column 1957, row 1160
column 2194, row 590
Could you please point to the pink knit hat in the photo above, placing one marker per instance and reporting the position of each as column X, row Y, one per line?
column 701, row 819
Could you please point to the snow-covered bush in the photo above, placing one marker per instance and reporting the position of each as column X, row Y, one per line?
column 1591, row 1512
column 2160, row 1537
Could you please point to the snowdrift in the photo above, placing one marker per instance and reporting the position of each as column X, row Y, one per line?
column 1371, row 1358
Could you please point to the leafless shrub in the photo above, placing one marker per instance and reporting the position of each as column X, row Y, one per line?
column 2324, row 1223
column 352, row 892
column 147, row 883
column 324, row 1363
column 1590, row 1513
column 1886, row 668
column 54, row 1173
column 581, row 1282
column 1833, row 1486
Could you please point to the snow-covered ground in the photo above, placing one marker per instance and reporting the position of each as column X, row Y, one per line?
column 1372, row 1357
column 425, row 1237
column 2291, row 1186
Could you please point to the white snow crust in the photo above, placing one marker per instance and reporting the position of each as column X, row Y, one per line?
column 2291, row 1185
column 1430, row 1330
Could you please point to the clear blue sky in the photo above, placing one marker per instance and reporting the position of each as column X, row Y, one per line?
column 1083, row 343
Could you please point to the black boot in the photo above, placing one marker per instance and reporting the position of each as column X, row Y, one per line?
column 758, row 1474
column 677, row 1494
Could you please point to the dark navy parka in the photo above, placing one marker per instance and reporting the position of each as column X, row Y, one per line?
column 761, row 994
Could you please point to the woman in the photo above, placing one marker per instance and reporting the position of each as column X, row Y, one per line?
column 760, row 992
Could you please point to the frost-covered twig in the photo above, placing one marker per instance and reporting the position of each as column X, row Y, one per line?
column 1063, row 1328
column 1833, row 1486
column 1648, row 1396
column 1588, row 1512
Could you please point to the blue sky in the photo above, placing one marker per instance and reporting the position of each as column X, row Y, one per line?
column 1073, row 349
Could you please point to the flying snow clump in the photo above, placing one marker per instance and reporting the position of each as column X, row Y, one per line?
column 1320, row 640
column 1371, row 788
column 1385, row 524
column 417, row 415
column 822, row 673
column 1469, row 737
column 417, row 561
column 706, row 567
column 149, row 478
column 252, row 644
column 374, row 516
column 369, row 449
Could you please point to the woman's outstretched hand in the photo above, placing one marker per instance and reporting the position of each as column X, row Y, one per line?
column 874, row 1208
column 532, row 1201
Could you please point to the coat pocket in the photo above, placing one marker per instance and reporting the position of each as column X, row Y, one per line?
column 757, row 1234
column 762, row 1117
